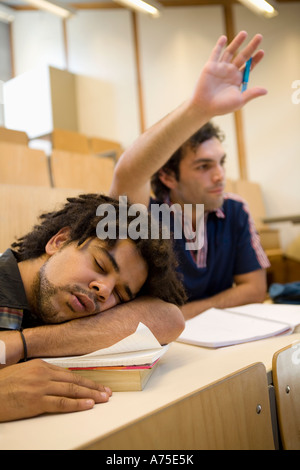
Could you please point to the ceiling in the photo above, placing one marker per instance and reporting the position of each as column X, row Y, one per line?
column 88, row 4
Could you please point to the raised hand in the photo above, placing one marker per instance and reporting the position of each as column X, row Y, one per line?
column 218, row 88
column 217, row 92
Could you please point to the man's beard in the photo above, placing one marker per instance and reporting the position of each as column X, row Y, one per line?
column 43, row 290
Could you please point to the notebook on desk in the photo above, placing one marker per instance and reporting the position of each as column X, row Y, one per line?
column 217, row 328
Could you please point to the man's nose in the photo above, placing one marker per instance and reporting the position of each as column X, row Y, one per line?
column 102, row 289
column 219, row 173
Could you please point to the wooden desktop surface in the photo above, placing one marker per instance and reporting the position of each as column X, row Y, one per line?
column 182, row 371
column 295, row 219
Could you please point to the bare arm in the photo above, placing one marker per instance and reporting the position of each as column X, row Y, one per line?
column 217, row 92
column 249, row 288
column 88, row 334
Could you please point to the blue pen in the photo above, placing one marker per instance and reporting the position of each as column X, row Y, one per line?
column 246, row 75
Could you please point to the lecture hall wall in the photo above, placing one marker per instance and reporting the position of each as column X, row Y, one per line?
column 173, row 50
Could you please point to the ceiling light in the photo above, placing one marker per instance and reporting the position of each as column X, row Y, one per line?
column 152, row 8
column 6, row 14
column 56, row 8
column 260, row 7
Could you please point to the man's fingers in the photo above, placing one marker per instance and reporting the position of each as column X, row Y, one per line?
column 82, row 389
column 69, row 397
column 63, row 375
column 54, row 404
column 233, row 47
column 231, row 54
column 252, row 93
column 61, row 396
column 72, row 390
column 257, row 58
column 217, row 50
column 248, row 51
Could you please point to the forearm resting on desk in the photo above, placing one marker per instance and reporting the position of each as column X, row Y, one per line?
column 249, row 288
column 85, row 335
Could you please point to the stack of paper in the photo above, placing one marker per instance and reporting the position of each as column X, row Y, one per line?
column 216, row 328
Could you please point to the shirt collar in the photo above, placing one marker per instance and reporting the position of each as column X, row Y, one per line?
column 219, row 212
column 200, row 256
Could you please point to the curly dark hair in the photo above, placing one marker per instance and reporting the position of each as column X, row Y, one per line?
column 206, row 132
column 79, row 214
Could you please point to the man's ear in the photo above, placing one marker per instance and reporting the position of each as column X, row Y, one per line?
column 57, row 241
column 167, row 178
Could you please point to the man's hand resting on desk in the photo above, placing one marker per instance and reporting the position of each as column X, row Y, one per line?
column 35, row 387
column 249, row 288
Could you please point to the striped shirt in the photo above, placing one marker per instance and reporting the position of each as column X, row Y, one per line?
column 200, row 256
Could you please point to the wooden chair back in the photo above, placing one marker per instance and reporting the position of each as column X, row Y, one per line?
column 10, row 135
column 89, row 172
column 104, row 146
column 252, row 193
column 286, row 379
column 70, row 141
column 20, row 207
column 22, row 165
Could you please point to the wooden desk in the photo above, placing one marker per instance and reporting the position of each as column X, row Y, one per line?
column 183, row 370
column 295, row 219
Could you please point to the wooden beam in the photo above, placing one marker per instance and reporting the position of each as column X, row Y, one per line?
column 76, row 6
column 138, row 71
column 238, row 116
column 11, row 49
column 187, row 3
column 66, row 49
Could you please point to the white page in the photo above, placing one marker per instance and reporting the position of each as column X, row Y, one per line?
column 139, row 348
column 216, row 328
column 278, row 312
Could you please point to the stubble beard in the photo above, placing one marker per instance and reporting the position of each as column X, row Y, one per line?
column 43, row 291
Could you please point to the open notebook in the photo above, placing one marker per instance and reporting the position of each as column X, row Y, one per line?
column 124, row 366
column 216, row 328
